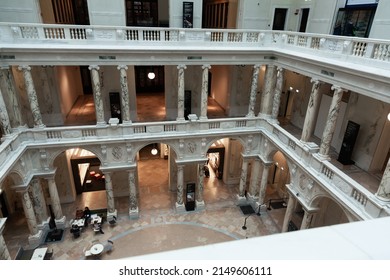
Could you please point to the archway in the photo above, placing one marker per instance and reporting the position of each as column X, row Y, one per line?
column 155, row 162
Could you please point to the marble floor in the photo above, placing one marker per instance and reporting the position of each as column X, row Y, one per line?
column 159, row 226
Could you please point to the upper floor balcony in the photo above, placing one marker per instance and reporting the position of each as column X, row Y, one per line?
column 355, row 64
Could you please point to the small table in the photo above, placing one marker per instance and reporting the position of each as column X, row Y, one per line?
column 96, row 219
column 97, row 249
column 39, row 254
column 79, row 222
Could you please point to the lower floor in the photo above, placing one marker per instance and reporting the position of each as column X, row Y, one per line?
column 159, row 226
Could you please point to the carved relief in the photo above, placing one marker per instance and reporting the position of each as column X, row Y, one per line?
column 191, row 147
column 117, row 153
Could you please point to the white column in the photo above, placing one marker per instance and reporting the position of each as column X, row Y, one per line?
column 133, row 209
column 39, row 202
column 205, row 91
column 312, row 111
column 289, row 211
column 55, row 199
column 180, row 187
column 4, row 253
column 253, row 92
column 278, row 93
column 4, row 118
column 383, row 192
column 242, row 186
column 199, row 192
column 254, row 181
column 125, row 101
column 111, row 211
column 29, row 213
column 7, row 84
column 306, row 221
column 99, row 108
column 32, row 96
column 267, row 94
column 331, row 121
column 263, row 183
column 180, row 94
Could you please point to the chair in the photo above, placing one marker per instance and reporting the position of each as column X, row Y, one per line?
column 76, row 231
column 108, row 246
column 48, row 255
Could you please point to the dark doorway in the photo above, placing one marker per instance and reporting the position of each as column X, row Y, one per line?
column 187, row 103
column 279, row 19
column 3, row 206
column 142, row 13
column 80, row 11
column 304, row 18
column 115, row 106
column 87, row 175
column 145, row 84
column 86, row 79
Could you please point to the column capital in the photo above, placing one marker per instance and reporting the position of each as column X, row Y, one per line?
column 256, row 66
column 337, row 88
column 24, row 67
column 120, row 67
column 206, row 66
column 94, row 67
column 279, row 68
column 181, row 66
column 315, row 81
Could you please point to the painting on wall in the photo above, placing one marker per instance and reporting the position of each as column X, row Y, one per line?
column 354, row 22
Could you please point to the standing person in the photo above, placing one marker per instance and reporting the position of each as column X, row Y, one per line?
column 87, row 215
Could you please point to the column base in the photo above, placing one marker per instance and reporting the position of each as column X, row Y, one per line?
column 310, row 147
column 39, row 126
column 382, row 198
column 252, row 200
column 322, row 157
column 37, row 239
column 101, row 124
column 241, row 200
column 200, row 205
column 111, row 215
column 133, row 214
column 61, row 223
column 180, row 119
column 180, row 208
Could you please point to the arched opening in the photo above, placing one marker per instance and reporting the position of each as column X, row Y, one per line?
column 330, row 213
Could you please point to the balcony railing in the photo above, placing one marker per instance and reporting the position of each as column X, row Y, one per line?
column 351, row 192
column 349, row 47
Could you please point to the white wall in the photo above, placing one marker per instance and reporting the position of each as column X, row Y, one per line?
column 20, row 11
column 253, row 14
column 320, row 18
column 381, row 24
column 103, row 12
column 176, row 13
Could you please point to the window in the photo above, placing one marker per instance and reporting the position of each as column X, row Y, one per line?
column 141, row 13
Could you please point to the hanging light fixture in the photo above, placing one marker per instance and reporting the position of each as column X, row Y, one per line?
column 151, row 75
column 154, row 150
column 388, row 116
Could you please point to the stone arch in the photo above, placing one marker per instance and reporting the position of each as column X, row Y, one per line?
column 142, row 145
column 54, row 154
column 332, row 214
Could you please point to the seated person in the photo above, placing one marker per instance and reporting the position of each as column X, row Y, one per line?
column 87, row 215
column 75, row 230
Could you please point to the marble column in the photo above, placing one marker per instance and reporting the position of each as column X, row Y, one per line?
column 306, row 221
column 133, row 209
column 277, row 93
column 32, row 96
column 39, row 202
column 180, row 183
column 254, row 181
column 205, row 91
column 125, row 101
column 7, row 84
column 199, row 192
column 55, row 199
column 331, row 121
column 99, row 109
column 267, row 94
column 383, row 192
column 263, row 183
column 292, row 201
column 4, row 253
column 180, row 94
column 4, row 118
column 111, row 211
column 241, row 198
column 312, row 111
column 253, row 92
column 29, row 213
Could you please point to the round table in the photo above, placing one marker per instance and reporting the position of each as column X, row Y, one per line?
column 97, row 249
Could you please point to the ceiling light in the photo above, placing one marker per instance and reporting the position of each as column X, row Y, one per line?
column 388, row 116
column 151, row 75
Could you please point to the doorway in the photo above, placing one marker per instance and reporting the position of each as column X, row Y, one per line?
column 279, row 19
column 87, row 175
column 216, row 159
column 3, row 206
column 304, row 18
column 86, row 80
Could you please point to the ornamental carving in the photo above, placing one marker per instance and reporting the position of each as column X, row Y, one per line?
column 117, row 153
